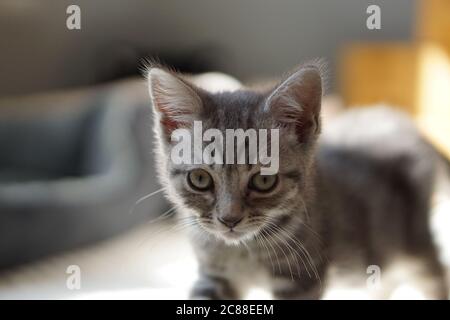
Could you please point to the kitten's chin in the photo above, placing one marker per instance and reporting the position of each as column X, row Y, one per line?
column 234, row 238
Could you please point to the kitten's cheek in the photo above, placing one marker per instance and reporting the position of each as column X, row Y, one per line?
column 276, row 212
column 209, row 200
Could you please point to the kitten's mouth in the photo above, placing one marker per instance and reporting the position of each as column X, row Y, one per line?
column 230, row 235
column 235, row 236
column 233, row 233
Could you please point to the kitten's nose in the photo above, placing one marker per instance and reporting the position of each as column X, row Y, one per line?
column 230, row 221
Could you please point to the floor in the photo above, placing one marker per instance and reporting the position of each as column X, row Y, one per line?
column 144, row 263
column 150, row 262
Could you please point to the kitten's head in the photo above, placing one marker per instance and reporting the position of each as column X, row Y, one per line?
column 234, row 201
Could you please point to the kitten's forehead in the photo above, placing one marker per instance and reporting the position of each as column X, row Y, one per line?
column 231, row 174
column 239, row 109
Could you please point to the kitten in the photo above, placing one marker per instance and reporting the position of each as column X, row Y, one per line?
column 358, row 196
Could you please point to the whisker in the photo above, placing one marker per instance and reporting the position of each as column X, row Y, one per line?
column 285, row 233
column 302, row 249
column 289, row 247
column 265, row 235
column 133, row 207
column 299, row 245
column 166, row 214
column 166, row 229
column 284, row 253
column 308, row 217
column 259, row 240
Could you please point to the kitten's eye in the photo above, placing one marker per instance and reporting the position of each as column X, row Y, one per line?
column 263, row 183
column 199, row 179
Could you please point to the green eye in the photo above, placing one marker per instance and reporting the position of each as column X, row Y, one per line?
column 200, row 180
column 263, row 183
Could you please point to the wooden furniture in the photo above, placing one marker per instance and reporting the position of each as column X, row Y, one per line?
column 414, row 77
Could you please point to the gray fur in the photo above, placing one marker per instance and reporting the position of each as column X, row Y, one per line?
column 358, row 196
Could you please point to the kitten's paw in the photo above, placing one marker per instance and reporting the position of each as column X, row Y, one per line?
column 213, row 288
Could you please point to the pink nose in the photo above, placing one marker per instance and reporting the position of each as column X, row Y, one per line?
column 230, row 222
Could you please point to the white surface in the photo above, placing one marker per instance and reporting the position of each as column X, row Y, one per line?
column 146, row 263
column 151, row 262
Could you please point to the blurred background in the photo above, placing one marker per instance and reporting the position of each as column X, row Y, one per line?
column 247, row 40
column 75, row 122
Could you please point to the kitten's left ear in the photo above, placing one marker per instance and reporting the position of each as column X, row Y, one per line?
column 296, row 101
column 174, row 100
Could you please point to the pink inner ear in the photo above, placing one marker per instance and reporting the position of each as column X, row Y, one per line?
column 168, row 117
column 169, row 125
column 296, row 103
column 174, row 100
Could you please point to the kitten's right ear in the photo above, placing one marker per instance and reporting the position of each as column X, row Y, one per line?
column 175, row 101
column 296, row 101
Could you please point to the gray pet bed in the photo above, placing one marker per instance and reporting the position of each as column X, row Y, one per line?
column 71, row 167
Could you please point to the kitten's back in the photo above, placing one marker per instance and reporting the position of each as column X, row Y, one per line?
column 377, row 175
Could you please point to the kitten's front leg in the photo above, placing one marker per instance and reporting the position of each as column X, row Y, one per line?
column 213, row 288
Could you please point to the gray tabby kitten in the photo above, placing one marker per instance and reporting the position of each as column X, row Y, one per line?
column 358, row 196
